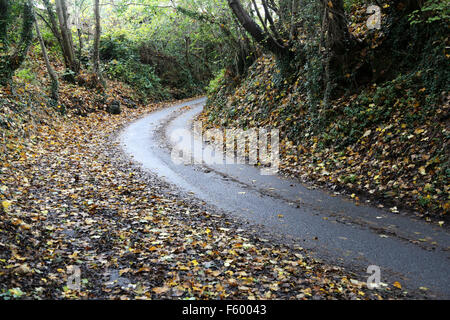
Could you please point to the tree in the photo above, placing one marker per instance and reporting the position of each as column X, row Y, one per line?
column 53, row 26
column 271, row 42
column 276, row 36
column 96, row 54
column 234, row 40
column 9, row 63
column 51, row 72
column 339, row 39
column 66, row 36
column 4, row 16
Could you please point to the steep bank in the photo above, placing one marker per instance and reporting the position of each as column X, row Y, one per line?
column 387, row 141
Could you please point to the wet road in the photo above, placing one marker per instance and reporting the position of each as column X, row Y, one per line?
column 410, row 251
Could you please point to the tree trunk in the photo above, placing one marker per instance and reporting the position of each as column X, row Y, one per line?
column 10, row 63
column 96, row 57
column 51, row 72
column 187, row 44
column 66, row 36
column 80, row 44
column 340, row 45
column 54, row 28
column 255, row 30
column 339, row 39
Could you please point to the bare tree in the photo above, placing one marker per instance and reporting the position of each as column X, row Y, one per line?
column 66, row 36
column 51, row 72
column 96, row 54
column 53, row 25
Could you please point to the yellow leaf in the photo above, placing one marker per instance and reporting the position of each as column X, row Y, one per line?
column 74, row 255
column 397, row 285
column 161, row 290
column 123, row 271
column 5, row 205
column 422, row 171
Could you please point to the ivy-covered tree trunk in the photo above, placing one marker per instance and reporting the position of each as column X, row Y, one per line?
column 9, row 63
column 4, row 15
column 339, row 44
column 268, row 37
column 339, row 39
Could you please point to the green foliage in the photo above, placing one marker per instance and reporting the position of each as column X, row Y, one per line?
column 141, row 77
column 117, row 48
column 11, row 60
column 123, row 64
column 26, row 74
column 179, row 50
column 348, row 4
column 216, row 82
column 433, row 11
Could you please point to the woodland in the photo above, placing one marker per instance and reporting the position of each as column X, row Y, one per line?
column 359, row 90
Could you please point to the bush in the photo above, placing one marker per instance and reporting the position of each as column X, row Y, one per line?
column 26, row 74
column 123, row 64
column 141, row 77
column 216, row 82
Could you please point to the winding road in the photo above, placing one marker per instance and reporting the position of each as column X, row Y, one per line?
column 415, row 253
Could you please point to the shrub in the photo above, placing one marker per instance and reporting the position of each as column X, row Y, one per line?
column 141, row 77
column 216, row 82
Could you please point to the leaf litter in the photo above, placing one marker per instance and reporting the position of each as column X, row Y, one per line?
column 68, row 198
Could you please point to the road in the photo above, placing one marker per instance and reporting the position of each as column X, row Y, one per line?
column 408, row 250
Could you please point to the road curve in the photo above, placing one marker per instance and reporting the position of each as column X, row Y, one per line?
column 407, row 250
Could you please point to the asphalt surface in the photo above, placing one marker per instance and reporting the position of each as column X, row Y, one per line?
column 408, row 250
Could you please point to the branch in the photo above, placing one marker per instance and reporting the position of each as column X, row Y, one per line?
column 269, row 17
column 254, row 30
column 264, row 25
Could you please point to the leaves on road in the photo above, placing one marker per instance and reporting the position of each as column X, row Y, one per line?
column 71, row 199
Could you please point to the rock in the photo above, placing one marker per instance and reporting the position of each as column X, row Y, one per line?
column 114, row 108
column 130, row 104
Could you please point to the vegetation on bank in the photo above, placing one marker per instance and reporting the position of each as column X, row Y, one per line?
column 359, row 107
column 361, row 110
column 380, row 131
